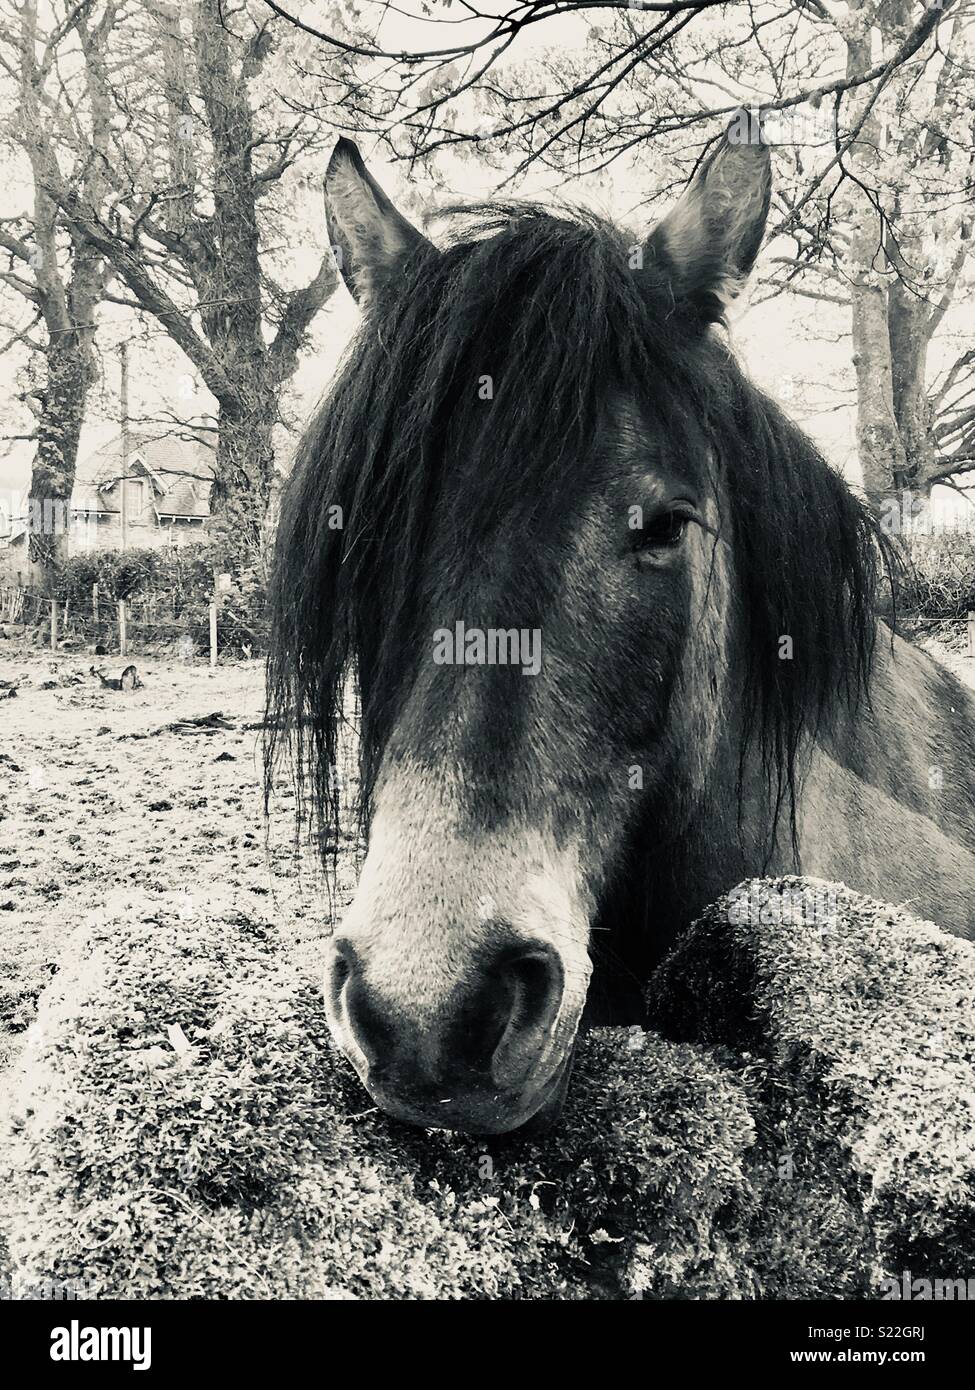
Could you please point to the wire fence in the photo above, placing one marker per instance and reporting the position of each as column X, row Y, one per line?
column 215, row 627
column 193, row 627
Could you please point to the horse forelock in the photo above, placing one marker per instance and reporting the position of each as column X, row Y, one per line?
column 476, row 403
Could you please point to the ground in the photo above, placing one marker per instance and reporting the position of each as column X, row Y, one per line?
column 97, row 797
column 956, row 660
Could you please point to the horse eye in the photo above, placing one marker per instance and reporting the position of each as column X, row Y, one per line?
column 663, row 532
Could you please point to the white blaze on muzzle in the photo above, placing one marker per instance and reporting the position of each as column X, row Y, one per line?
column 436, row 904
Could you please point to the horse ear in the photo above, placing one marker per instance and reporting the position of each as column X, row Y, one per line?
column 709, row 241
column 370, row 238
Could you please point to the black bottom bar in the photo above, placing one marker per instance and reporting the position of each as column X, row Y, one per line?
column 75, row 1338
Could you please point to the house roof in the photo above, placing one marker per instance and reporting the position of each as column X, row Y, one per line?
column 181, row 471
column 187, row 497
column 17, row 532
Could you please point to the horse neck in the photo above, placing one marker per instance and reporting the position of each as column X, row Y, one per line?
column 911, row 739
column 888, row 798
column 885, row 802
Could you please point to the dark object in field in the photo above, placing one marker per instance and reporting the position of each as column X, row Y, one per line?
column 128, row 680
column 214, row 723
column 203, row 724
column 8, row 692
column 100, row 650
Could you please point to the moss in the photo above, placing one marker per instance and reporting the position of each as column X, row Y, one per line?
column 216, row 1161
column 180, row 1126
column 858, row 1026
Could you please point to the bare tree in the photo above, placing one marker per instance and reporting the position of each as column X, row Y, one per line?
column 876, row 204
column 200, row 147
column 60, row 126
column 888, row 228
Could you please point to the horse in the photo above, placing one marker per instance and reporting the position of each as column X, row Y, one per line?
column 613, row 625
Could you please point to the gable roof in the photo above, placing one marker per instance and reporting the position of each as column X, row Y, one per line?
column 186, row 497
column 16, row 531
column 181, row 471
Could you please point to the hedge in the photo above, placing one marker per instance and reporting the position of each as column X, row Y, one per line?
column 939, row 580
column 801, row 1123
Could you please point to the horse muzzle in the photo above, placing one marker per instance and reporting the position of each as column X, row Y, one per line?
column 489, row 1055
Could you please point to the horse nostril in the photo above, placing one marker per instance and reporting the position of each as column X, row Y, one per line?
column 535, row 983
column 340, row 969
column 357, row 1006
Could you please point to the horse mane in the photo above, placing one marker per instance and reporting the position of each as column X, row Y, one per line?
column 550, row 309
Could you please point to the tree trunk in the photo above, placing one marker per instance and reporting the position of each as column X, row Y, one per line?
column 70, row 373
column 242, row 483
column 912, row 410
column 879, row 444
column 66, row 300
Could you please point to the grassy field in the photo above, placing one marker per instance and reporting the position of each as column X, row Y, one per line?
column 99, row 797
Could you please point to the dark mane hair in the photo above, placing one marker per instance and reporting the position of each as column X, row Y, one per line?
column 551, row 309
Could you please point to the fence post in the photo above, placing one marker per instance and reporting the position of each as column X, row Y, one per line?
column 54, row 624
column 213, row 633
column 122, row 639
column 971, row 634
column 94, row 603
